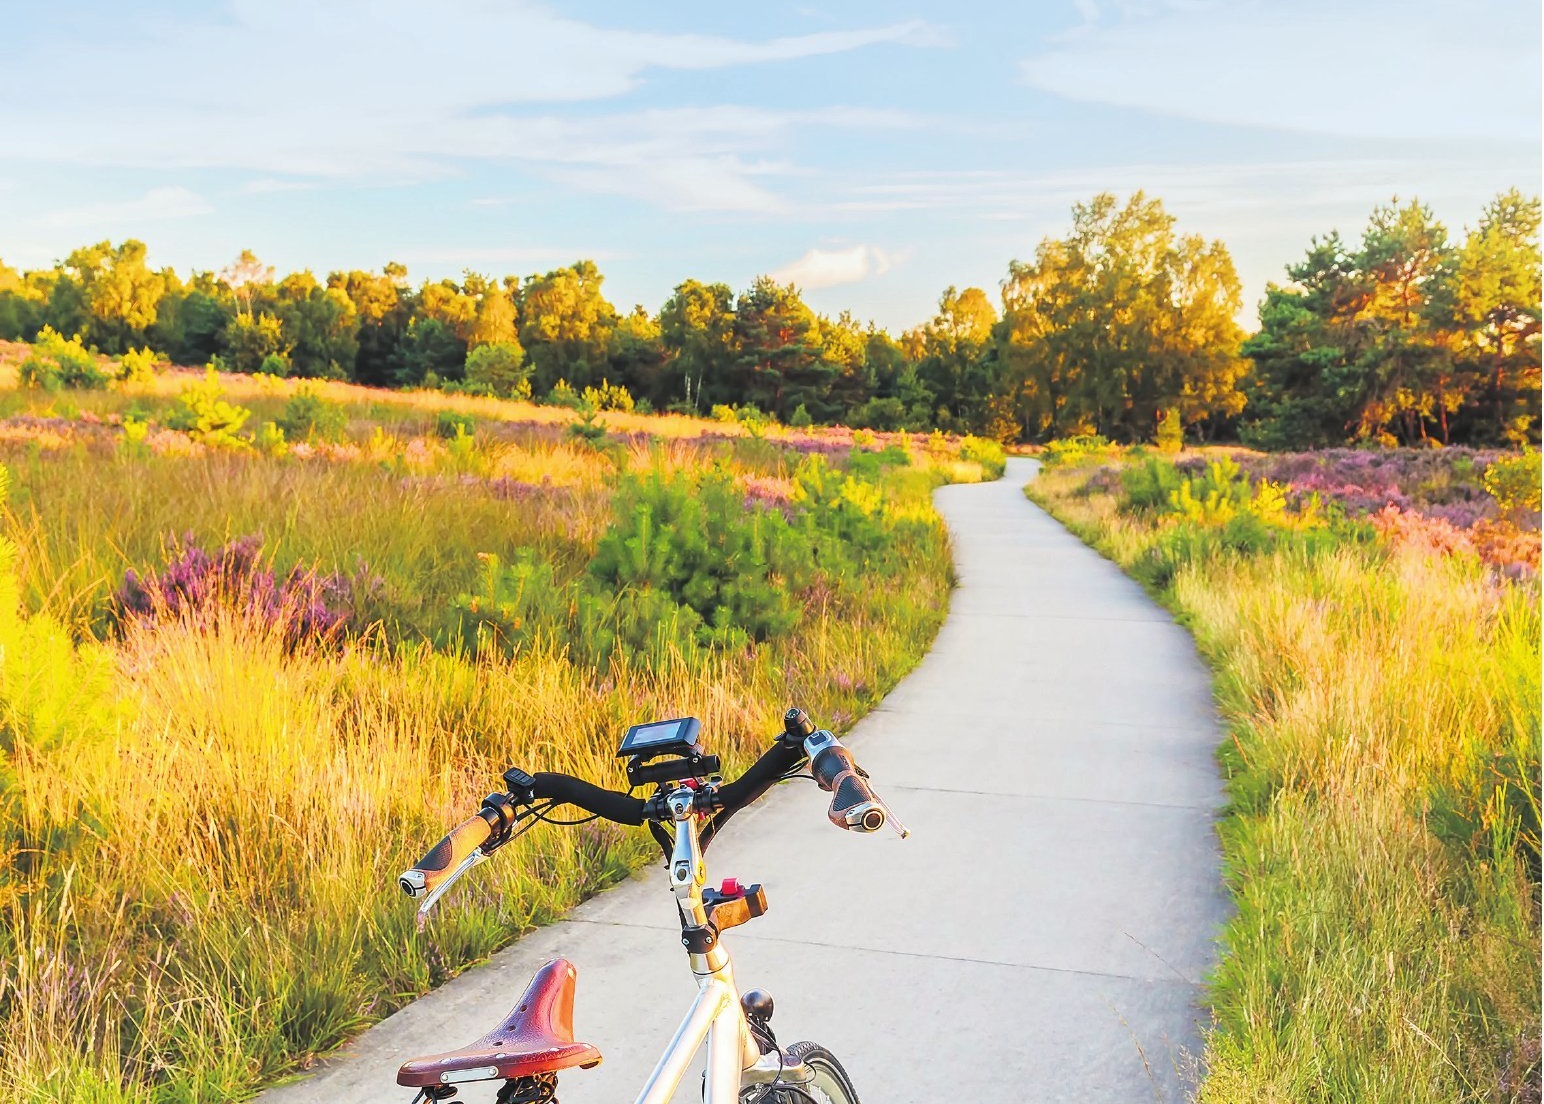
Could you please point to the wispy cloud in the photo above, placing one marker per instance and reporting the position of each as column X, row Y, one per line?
column 1375, row 68
column 265, row 185
column 156, row 205
column 823, row 268
column 399, row 90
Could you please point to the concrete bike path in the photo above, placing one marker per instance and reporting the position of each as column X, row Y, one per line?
column 1040, row 938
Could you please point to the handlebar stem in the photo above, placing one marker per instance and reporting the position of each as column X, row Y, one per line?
column 688, row 873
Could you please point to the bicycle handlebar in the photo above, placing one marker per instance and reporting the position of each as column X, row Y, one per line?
column 612, row 805
column 426, row 875
column 854, row 804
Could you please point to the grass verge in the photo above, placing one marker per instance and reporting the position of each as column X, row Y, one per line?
column 1381, row 843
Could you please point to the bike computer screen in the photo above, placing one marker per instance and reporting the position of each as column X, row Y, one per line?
column 677, row 737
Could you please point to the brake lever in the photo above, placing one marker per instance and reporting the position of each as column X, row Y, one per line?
column 477, row 856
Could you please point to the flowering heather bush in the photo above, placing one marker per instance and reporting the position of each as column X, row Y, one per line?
column 1442, row 483
column 196, row 584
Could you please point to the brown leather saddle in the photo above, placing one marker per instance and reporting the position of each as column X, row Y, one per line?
column 536, row 1037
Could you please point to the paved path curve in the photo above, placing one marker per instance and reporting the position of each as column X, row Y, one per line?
column 1040, row 938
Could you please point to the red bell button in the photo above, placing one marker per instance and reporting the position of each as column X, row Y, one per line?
column 730, row 887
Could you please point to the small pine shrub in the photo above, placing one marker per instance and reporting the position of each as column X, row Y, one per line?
column 1071, row 452
column 1515, row 483
column 56, row 362
column 269, row 439
column 276, row 365
column 588, row 430
column 1171, row 432
column 1149, row 485
column 462, row 450
column 203, row 414
column 453, row 423
column 800, row 418
column 563, row 394
column 309, row 417
column 607, row 396
column 988, row 453
column 137, row 366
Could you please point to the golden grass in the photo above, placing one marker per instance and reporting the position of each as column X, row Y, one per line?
column 1384, row 717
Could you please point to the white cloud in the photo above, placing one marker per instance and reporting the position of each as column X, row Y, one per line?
column 395, row 90
column 265, row 185
column 1397, row 69
column 823, row 268
column 156, row 205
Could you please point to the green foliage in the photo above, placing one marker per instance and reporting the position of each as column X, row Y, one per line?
column 56, row 362
column 588, row 430
column 800, row 418
column 137, row 366
column 992, row 457
column 499, row 369
column 607, row 396
column 739, row 570
column 1404, row 336
column 251, row 340
column 562, row 394
column 453, row 423
column 1149, row 484
column 309, row 417
column 1117, row 323
column 1072, row 452
column 1515, row 483
column 274, row 364
column 203, row 414
column 1171, row 432
column 269, row 439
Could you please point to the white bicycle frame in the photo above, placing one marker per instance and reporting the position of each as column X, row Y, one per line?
column 734, row 1059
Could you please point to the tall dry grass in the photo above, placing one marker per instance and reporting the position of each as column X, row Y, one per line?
column 204, row 818
column 1381, row 844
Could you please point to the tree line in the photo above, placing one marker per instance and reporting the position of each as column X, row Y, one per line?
column 1124, row 328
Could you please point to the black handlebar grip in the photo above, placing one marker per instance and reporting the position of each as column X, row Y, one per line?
column 854, row 804
column 446, row 855
column 830, row 764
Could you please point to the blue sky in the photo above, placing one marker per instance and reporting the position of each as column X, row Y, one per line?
column 873, row 153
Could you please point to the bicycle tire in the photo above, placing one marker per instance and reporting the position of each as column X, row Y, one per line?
column 831, row 1084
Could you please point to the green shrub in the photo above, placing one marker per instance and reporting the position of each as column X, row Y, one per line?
column 269, row 439
column 800, row 418
column 203, row 414
column 274, row 364
column 1171, row 432
column 1150, row 484
column 309, row 417
column 56, row 362
column 498, row 368
column 453, row 423
column 988, row 453
column 137, row 366
column 1071, row 452
column 563, row 394
column 1515, row 483
column 587, row 430
column 607, row 396
column 684, row 566
column 694, row 539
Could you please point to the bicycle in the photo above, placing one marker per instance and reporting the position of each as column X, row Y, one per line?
column 689, row 806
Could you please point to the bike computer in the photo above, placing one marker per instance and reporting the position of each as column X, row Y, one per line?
column 675, row 737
